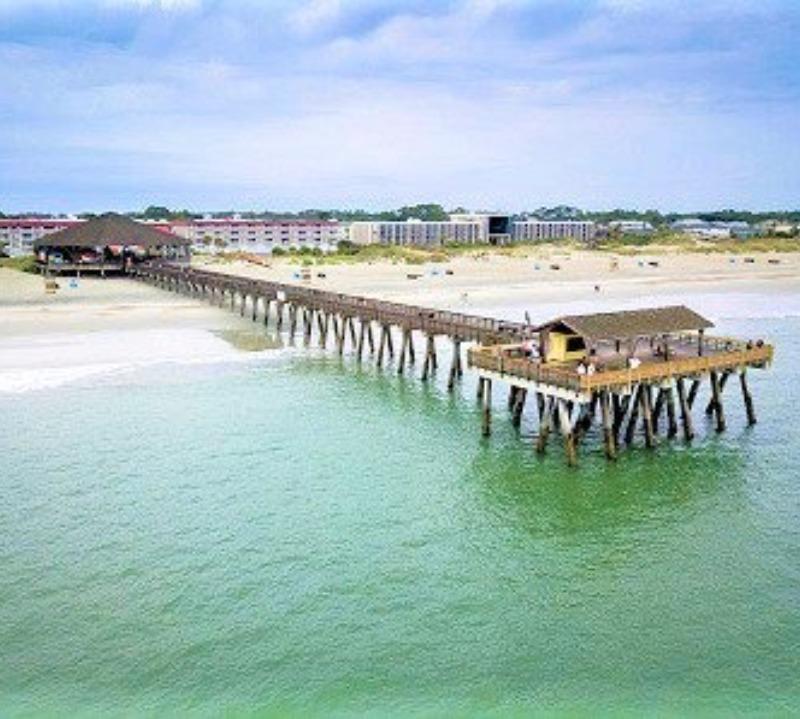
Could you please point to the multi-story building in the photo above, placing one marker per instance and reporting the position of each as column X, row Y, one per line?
column 260, row 236
column 417, row 232
column 18, row 235
column 632, row 227
column 543, row 230
column 469, row 229
column 256, row 236
column 714, row 230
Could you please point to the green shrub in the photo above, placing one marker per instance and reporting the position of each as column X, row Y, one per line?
column 21, row 264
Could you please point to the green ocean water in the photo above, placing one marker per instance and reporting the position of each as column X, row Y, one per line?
column 296, row 536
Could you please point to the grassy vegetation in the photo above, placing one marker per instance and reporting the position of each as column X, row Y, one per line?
column 659, row 243
column 22, row 264
column 664, row 243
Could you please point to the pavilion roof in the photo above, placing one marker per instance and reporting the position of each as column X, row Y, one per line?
column 109, row 229
column 632, row 323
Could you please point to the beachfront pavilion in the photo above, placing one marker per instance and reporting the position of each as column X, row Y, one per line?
column 109, row 243
column 610, row 339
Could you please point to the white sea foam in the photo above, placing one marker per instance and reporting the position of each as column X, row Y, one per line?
column 49, row 361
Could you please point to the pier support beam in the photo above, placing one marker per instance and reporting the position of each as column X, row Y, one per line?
column 633, row 418
column 568, row 433
column 382, row 345
column 370, row 338
column 672, row 425
column 609, row 439
column 545, row 425
column 401, row 365
column 430, row 358
column 362, row 332
column 456, row 369
column 716, row 398
column 686, row 411
column 647, row 416
column 748, row 398
column 693, row 392
column 519, row 405
column 487, row 408
column 711, row 406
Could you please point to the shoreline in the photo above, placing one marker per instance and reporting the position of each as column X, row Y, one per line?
column 496, row 285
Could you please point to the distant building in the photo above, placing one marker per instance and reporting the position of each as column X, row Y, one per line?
column 714, row 230
column 416, row 233
column 495, row 228
column 18, row 235
column 260, row 236
column 778, row 227
column 632, row 227
column 468, row 228
column 543, row 230
column 228, row 234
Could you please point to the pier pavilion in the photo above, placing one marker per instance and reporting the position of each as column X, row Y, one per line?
column 107, row 244
column 628, row 367
column 617, row 362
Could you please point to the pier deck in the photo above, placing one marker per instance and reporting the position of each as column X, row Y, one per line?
column 629, row 397
column 684, row 360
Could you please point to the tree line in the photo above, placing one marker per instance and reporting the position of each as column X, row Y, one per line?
column 433, row 212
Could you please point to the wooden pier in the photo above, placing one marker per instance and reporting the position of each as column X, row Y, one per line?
column 622, row 371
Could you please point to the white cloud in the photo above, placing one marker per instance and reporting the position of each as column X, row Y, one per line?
column 162, row 4
column 475, row 103
column 313, row 15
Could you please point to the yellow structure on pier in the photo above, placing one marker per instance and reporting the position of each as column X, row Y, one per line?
column 632, row 364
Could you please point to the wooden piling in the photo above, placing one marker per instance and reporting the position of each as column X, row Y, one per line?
column 633, row 419
column 381, row 346
column 647, row 416
column 362, row 331
column 672, row 425
column 567, row 431
column 519, row 406
column 455, row 365
column 716, row 396
column 401, row 364
column 710, row 407
column 609, row 440
column 545, row 425
column 693, row 392
column 487, row 409
column 748, row 398
column 686, row 411
column 430, row 358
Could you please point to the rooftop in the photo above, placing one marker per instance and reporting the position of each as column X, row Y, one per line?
column 629, row 324
column 109, row 229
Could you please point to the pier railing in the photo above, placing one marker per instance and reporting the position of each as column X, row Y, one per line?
column 433, row 321
column 506, row 360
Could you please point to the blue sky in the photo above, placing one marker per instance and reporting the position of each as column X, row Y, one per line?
column 504, row 104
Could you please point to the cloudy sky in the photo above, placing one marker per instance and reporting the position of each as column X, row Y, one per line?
column 505, row 104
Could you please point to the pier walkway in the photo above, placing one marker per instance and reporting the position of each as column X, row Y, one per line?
column 568, row 398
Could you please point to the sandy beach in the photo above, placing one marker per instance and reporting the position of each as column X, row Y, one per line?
column 501, row 285
column 497, row 284
column 94, row 305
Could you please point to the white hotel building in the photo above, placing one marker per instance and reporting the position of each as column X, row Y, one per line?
column 416, row 232
column 469, row 229
column 543, row 230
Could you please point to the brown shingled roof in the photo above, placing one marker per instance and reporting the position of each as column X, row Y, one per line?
column 632, row 323
column 109, row 229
